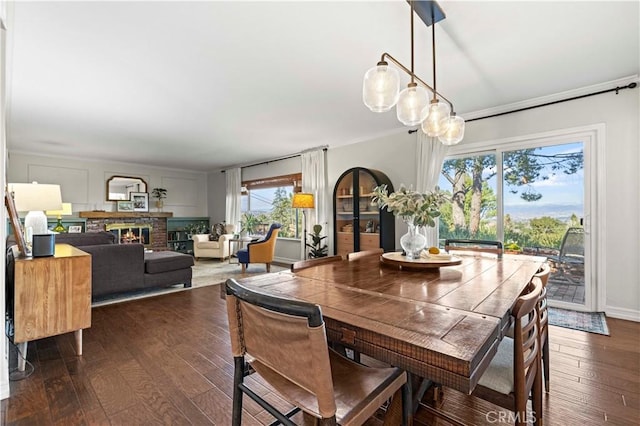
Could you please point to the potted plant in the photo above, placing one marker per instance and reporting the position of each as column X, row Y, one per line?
column 159, row 194
column 317, row 249
column 416, row 209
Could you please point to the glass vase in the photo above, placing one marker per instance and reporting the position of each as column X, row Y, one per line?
column 413, row 242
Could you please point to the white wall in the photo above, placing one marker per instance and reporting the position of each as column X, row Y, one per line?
column 83, row 182
column 395, row 156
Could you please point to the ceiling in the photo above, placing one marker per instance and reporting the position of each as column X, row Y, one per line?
column 208, row 85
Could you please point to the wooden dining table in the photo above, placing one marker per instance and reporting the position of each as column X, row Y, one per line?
column 443, row 324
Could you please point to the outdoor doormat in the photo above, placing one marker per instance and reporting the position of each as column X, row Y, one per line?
column 592, row 322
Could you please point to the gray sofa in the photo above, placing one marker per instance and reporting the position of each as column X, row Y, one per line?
column 120, row 268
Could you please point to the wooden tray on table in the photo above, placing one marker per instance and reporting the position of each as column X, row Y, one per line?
column 397, row 259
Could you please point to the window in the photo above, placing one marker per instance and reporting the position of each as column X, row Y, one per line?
column 265, row 201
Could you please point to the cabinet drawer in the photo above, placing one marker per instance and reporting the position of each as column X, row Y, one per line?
column 369, row 241
column 344, row 244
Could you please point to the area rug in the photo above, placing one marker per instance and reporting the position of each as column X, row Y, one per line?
column 205, row 272
column 592, row 322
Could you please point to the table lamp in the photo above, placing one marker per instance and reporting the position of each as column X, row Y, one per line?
column 66, row 211
column 34, row 198
column 303, row 200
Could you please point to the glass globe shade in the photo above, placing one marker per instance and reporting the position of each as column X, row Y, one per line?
column 454, row 132
column 380, row 88
column 411, row 105
column 437, row 118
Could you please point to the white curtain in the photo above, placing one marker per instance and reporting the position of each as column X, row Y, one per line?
column 314, row 181
column 233, row 208
column 430, row 155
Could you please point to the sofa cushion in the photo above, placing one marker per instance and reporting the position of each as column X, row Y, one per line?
column 208, row 244
column 86, row 238
column 164, row 261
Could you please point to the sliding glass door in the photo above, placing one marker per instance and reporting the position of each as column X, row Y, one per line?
column 533, row 196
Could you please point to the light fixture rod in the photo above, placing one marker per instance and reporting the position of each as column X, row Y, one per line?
column 413, row 76
column 433, row 50
column 412, row 68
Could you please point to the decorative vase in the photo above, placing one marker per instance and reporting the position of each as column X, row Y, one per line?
column 159, row 205
column 413, row 242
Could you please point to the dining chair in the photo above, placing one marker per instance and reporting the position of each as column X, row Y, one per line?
column 514, row 373
column 359, row 254
column 482, row 246
column 308, row 263
column 284, row 341
column 543, row 318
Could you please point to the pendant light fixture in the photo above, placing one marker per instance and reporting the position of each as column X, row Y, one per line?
column 381, row 85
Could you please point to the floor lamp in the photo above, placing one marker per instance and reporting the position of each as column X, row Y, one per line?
column 303, row 200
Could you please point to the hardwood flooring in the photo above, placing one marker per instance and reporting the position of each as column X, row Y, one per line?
column 167, row 360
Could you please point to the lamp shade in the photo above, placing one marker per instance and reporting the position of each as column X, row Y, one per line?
column 65, row 211
column 437, row 119
column 411, row 105
column 454, row 131
column 36, row 196
column 380, row 88
column 302, row 200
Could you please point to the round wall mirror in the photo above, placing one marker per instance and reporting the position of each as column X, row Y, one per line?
column 121, row 187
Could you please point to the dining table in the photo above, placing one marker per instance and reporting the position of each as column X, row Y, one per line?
column 442, row 323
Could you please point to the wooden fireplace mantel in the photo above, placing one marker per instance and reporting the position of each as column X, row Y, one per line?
column 122, row 215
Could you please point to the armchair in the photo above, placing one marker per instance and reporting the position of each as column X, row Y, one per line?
column 202, row 247
column 260, row 251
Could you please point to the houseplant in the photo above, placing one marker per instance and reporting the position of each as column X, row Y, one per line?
column 159, row 194
column 416, row 209
column 317, row 248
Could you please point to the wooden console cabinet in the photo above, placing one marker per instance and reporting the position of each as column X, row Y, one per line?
column 52, row 295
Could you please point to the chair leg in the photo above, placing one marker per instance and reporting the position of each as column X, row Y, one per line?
column 268, row 267
column 244, row 267
column 238, row 375
column 545, row 363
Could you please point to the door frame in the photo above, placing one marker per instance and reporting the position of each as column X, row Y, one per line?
column 594, row 139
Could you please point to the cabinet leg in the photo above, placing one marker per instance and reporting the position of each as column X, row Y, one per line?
column 78, row 334
column 22, row 355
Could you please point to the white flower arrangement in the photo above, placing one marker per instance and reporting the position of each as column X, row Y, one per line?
column 418, row 208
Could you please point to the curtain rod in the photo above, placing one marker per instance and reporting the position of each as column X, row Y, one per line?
column 615, row 89
column 276, row 159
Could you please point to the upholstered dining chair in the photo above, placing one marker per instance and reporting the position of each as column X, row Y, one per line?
column 358, row 254
column 261, row 251
column 308, row 263
column 543, row 319
column 284, row 341
column 514, row 373
column 483, row 246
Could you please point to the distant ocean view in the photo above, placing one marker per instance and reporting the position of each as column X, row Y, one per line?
column 561, row 212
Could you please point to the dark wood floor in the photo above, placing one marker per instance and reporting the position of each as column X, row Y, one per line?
column 166, row 360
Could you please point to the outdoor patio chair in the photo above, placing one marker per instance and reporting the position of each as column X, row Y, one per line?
column 570, row 257
column 285, row 343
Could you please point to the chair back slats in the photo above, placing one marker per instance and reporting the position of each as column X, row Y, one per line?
column 359, row 254
column 283, row 337
column 309, row 263
column 527, row 374
column 480, row 246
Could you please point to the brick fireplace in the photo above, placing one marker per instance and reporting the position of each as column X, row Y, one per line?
column 156, row 223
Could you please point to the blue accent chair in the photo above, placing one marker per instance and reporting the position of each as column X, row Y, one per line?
column 261, row 251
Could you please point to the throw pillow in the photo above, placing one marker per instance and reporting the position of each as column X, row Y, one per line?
column 217, row 230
